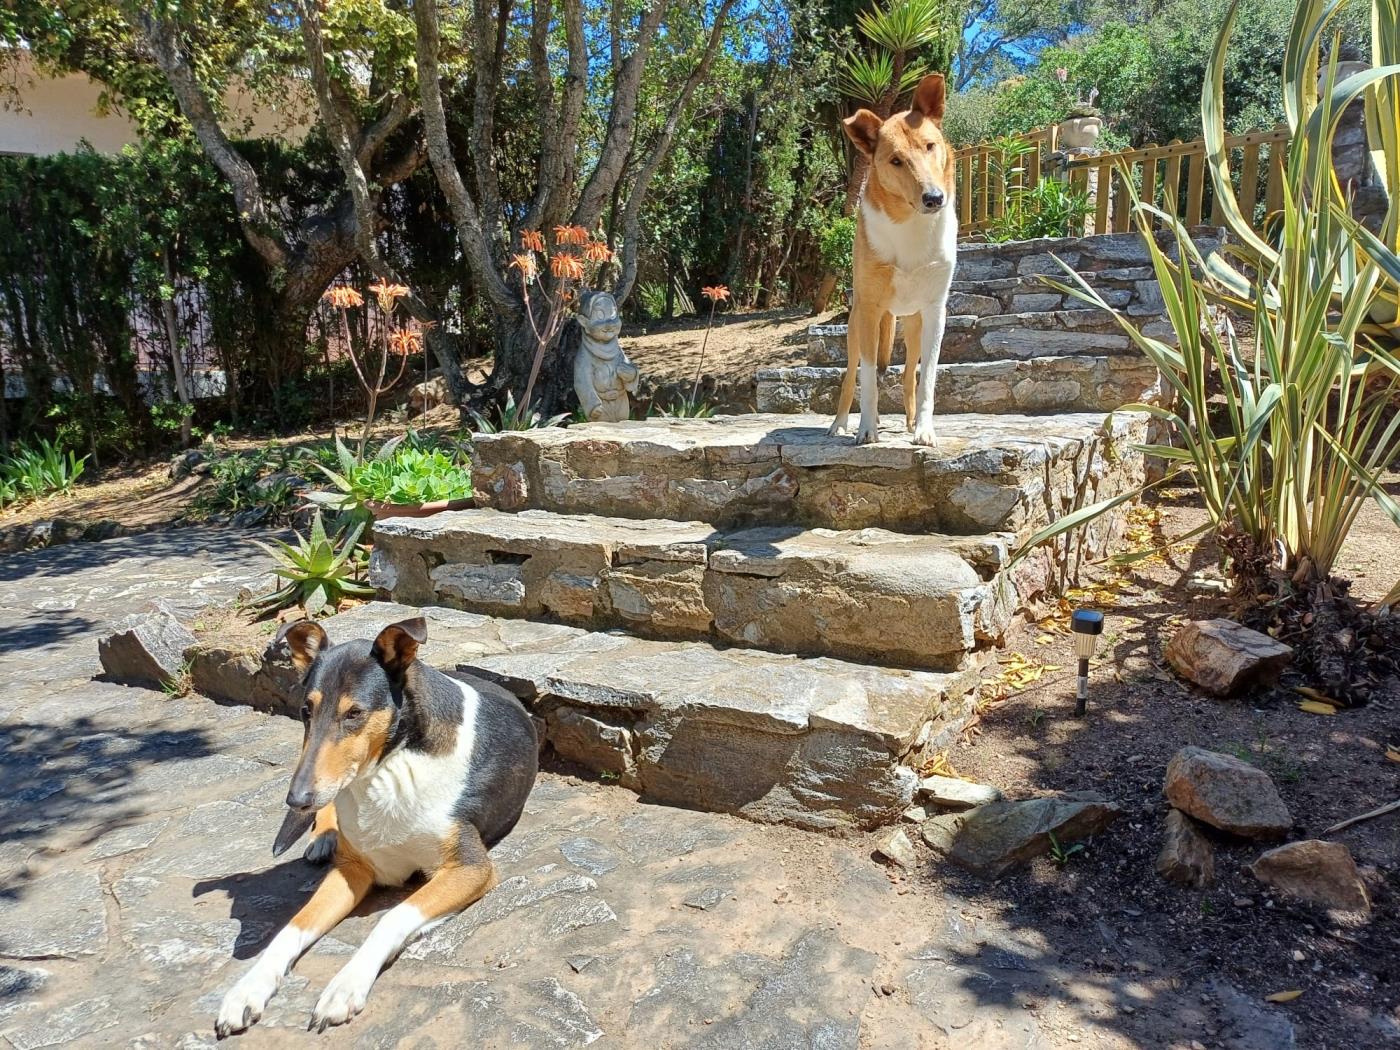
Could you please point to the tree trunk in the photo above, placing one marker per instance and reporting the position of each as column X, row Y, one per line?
column 554, row 386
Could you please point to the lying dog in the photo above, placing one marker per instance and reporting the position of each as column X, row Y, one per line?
column 425, row 773
column 905, row 250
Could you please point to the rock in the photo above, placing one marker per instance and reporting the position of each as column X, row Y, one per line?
column 896, row 847
column 250, row 517
column 429, row 394
column 1226, row 659
column 146, row 649
column 992, row 838
column 916, row 814
column 1317, row 871
column 591, row 742
column 105, row 529
column 1226, row 793
column 952, row 793
column 1187, row 857
column 186, row 462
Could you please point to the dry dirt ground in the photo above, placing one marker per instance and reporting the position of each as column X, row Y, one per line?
column 1326, row 768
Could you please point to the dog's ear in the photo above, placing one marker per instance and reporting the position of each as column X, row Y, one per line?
column 863, row 129
column 930, row 97
column 304, row 640
column 397, row 645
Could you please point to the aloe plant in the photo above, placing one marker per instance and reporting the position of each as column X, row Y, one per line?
column 320, row 571
column 1307, row 427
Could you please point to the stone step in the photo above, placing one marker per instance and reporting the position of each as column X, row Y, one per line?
column 1015, row 337
column 1087, row 255
column 1003, row 473
column 822, row 744
column 871, row 595
column 1040, row 384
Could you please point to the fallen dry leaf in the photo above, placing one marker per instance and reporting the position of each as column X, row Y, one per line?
column 1317, row 707
column 1284, row 997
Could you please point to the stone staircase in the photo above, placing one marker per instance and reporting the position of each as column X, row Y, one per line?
column 1014, row 344
column 741, row 613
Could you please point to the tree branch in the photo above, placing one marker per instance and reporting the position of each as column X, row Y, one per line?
column 476, row 245
column 621, row 121
column 162, row 41
column 631, row 221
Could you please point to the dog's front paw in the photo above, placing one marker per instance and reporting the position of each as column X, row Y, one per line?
column 322, row 848
column 868, row 435
column 243, row 1005
column 839, row 428
column 923, row 435
column 343, row 998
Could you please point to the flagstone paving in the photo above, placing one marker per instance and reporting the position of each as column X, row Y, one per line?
column 136, row 882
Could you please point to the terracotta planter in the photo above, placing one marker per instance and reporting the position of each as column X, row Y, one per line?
column 417, row 510
column 1080, row 132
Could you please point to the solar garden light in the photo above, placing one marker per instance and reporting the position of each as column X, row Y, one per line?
column 1087, row 625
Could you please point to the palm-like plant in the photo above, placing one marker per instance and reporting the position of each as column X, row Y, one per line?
column 320, row 571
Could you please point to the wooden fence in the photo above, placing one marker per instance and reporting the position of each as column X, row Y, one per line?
column 1173, row 177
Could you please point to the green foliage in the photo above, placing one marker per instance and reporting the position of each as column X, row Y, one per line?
column 1062, row 854
column 401, row 472
column 511, row 416
column 253, row 478
column 836, row 246
column 684, row 407
column 1050, row 208
column 320, row 571
column 31, row 472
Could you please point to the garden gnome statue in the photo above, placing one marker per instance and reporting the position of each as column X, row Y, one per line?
column 602, row 374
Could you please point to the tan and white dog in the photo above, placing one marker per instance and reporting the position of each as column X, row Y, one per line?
column 905, row 252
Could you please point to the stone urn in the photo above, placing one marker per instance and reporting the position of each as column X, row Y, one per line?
column 1080, row 132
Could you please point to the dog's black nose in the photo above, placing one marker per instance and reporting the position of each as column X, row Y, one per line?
column 933, row 198
column 300, row 799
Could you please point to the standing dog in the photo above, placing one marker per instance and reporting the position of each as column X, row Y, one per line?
column 905, row 250
column 425, row 772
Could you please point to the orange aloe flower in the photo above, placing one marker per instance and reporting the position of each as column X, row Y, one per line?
column 532, row 240
column 342, row 296
column 525, row 263
column 567, row 265
column 717, row 293
column 597, row 251
column 405, row 341
column 570, row 235
column 388, row 294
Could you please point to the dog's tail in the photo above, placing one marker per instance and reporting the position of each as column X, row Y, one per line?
column 886, row 344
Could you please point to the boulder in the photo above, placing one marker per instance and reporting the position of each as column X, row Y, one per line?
column 426, row 396
column 952, row 793
column 1226, row 793
column 1226, row 659
column 1187, row 857
column 991, row 838
column 187, row 463
column 147, row 649
column 1317, row 871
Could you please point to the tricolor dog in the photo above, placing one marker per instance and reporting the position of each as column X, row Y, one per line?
column 405, row 770
column 905, row 250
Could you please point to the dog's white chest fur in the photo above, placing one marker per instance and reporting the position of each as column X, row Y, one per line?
column 399, row 815
column 922, row 249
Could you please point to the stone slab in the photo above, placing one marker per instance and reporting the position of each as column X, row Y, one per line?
column 1004, row 473
column 869, row 594
column 820, row 743
column 1040, row 384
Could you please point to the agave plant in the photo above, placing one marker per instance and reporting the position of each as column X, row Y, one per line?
column 320, row 571
column 512, row 417
column 1308, row 425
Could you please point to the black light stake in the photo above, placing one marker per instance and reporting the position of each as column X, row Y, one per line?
column 1087, row 625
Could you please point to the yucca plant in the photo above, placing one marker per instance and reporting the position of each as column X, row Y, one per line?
column 1308, row 422
column 320, row 571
